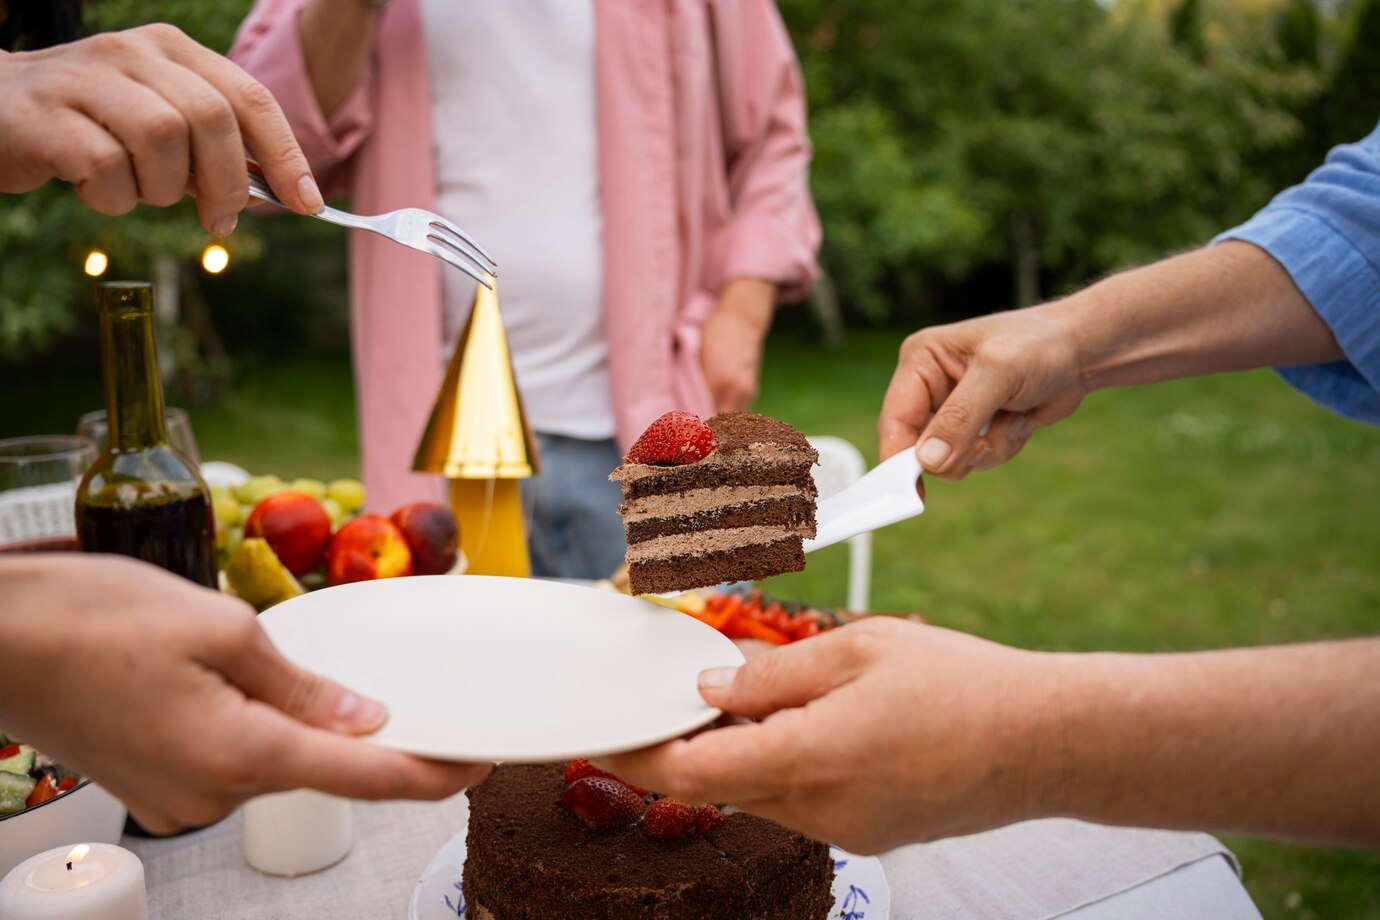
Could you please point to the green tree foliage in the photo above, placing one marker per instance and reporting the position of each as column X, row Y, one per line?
column 1186, row 28
column 1301, row 34
column 1353, row 105
column 1063, row 137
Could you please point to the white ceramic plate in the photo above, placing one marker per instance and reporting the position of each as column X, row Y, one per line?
column 860, row 888
column 479, row 668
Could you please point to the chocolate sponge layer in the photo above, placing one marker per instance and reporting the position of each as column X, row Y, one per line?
column 744, row 563
column 793, row 510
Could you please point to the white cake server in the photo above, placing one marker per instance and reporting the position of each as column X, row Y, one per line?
column 890, row 492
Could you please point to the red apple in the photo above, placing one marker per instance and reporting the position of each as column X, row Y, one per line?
column 368, row 547
column 432, row 534
column 295, row 526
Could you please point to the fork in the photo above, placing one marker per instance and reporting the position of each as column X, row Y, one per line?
column 421, row 230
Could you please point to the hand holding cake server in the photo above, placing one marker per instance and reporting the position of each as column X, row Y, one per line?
column 885, row 732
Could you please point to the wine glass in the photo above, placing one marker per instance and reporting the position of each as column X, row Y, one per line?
column 38, row 490
column 93, row 425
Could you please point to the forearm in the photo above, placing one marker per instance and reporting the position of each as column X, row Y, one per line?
column 1230, row 307
column 1277, row 741
column 336, row 36
column 750, row 300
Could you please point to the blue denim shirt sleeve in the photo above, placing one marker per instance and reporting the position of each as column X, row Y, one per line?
column 1326, row 233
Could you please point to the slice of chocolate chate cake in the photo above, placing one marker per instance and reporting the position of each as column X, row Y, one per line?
column 705, row 503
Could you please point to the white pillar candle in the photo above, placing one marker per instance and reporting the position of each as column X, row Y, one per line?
column 293, row 833
column 96, row 881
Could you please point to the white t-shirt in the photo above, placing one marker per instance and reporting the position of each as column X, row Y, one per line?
column 513, row 112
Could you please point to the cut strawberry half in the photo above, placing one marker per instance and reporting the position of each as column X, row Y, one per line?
column 577, row 770
column 602, row 803
column 674, row 439
column 708, row 818
column 667, row 819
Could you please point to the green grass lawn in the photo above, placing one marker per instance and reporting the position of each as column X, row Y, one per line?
column 1215, row 512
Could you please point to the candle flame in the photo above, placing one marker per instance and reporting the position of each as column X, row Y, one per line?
column 96, row 263
column 78, row 854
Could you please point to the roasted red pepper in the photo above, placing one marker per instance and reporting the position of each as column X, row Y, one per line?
column 751, row 629
column 45, row 790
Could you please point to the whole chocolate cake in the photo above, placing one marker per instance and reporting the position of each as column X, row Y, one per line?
column 727, row 500
column 531, row 858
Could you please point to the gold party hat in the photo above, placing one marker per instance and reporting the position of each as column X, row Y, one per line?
column 477, row 428
column 478, row 438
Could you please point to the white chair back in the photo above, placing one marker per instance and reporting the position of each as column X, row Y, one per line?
column 840, row 465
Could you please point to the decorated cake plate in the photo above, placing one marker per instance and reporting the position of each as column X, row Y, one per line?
column 860, row 888
column 478, row 668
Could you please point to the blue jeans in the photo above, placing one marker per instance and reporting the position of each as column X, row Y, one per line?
column 571, row 508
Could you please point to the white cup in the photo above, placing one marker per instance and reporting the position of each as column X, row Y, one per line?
column 295, row 833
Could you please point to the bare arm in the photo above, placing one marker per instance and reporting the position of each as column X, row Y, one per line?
column 336, row 35
column 731, row 348
column 1280, row 742
column 1228, row 307
column 884, row 733
column 1231, row 307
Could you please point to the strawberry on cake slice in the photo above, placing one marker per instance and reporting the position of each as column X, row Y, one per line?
column 730, row 499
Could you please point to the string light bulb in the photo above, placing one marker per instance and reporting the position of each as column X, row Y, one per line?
column 96, row 263
column 215, row 258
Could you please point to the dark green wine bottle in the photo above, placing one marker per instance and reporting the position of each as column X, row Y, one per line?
column 142, row 497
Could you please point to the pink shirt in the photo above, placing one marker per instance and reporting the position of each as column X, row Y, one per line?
column 703, row 171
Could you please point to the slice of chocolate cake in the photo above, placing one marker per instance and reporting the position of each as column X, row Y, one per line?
column 531, row 858
column 727, row 500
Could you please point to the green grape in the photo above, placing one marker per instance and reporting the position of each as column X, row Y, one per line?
column 349, row 492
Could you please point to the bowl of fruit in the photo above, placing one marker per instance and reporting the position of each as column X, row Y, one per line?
column 278, row 539
column 43, row 805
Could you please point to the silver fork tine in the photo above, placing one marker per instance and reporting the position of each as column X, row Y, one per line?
column 450, row 258
column 449, row 246
column 446, row 229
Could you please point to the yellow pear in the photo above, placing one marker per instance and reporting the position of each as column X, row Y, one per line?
column 255, row 574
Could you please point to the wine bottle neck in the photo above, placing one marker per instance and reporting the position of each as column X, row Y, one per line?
column 129, row 359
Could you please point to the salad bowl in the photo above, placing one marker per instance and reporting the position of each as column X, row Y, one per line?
column 85, row 813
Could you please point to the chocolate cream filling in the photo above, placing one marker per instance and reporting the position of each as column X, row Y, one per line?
column 693, row 501
column 708, row 541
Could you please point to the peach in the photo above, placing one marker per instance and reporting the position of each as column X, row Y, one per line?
column 432, row 534
column 295, row 525
column 368, row 547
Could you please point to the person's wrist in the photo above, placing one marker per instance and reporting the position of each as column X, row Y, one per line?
column 1047, row 708
column 1080, row 320
column 749, row 301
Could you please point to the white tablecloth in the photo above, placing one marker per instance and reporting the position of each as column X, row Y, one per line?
column 1031, row 871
